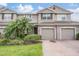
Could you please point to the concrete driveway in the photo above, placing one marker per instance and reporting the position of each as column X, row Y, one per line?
column 61, row 48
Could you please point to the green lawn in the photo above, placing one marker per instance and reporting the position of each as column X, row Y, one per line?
column 21, row 50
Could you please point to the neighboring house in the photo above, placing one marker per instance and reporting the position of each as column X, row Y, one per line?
column 51, row 23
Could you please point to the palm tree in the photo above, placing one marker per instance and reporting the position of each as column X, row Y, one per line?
column 17, row 29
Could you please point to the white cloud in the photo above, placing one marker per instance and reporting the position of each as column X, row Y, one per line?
column 3, row 4
column 24, row 8
column 75, row 15
column 39, row 8
column 74, row 10
column 73, row 4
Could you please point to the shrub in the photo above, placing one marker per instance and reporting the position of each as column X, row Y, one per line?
column 1, row 36
column 11, row 42
column 77, row 36
column 32, row 38
column 16, row 29
column 1, row 41
column 16, row 42
column 4, row 41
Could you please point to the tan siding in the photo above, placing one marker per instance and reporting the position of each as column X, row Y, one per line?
column 14, row 16
column 45, row 11
column 34, row 18
column 8, row 11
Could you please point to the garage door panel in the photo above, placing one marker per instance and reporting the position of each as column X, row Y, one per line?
column 48, row 33
column 68, row 33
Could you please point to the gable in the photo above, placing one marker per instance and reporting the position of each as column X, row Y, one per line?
column 45, row 11
column 58, row 9
column 1, row 8
column 6, row 10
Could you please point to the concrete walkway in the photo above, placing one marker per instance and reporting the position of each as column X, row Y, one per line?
column 60, row 48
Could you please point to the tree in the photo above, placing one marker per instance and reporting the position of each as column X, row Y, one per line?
column 18, row 28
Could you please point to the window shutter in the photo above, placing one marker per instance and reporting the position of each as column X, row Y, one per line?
column 11, row 16
column 2, row 16
column 41, row 15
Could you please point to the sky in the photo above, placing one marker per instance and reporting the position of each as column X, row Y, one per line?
column 33, row 7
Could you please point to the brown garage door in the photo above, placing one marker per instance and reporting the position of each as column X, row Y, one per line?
column 48, row 33
column 67, row 33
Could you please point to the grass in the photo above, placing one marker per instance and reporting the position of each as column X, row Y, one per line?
column 21, row 50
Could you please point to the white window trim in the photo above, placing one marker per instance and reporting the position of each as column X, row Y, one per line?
column 65, row 28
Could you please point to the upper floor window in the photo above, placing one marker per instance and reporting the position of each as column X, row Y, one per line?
column 61, row 17
column 28, row 16
column 7, row 16
column 46, row 16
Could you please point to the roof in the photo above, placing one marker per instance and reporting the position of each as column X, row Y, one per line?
column 55, row 9
column 6, row 10
column 50, row 9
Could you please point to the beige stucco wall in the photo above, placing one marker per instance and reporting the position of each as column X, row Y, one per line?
column 14, row 16
column 34, row 18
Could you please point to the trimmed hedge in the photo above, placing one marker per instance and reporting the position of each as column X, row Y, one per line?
column 4, row 41
column 32, row 37
column 11, row 42
column 29, row 39
column 16, row 42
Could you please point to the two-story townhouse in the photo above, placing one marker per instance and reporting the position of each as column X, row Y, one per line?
column 6, row 15
column 52, row 23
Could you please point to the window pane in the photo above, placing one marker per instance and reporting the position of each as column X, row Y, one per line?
column 7, row 16
column 46, row 16
column 43, row 16
column 61, row 17
column 28, row 16
column 49, row 16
